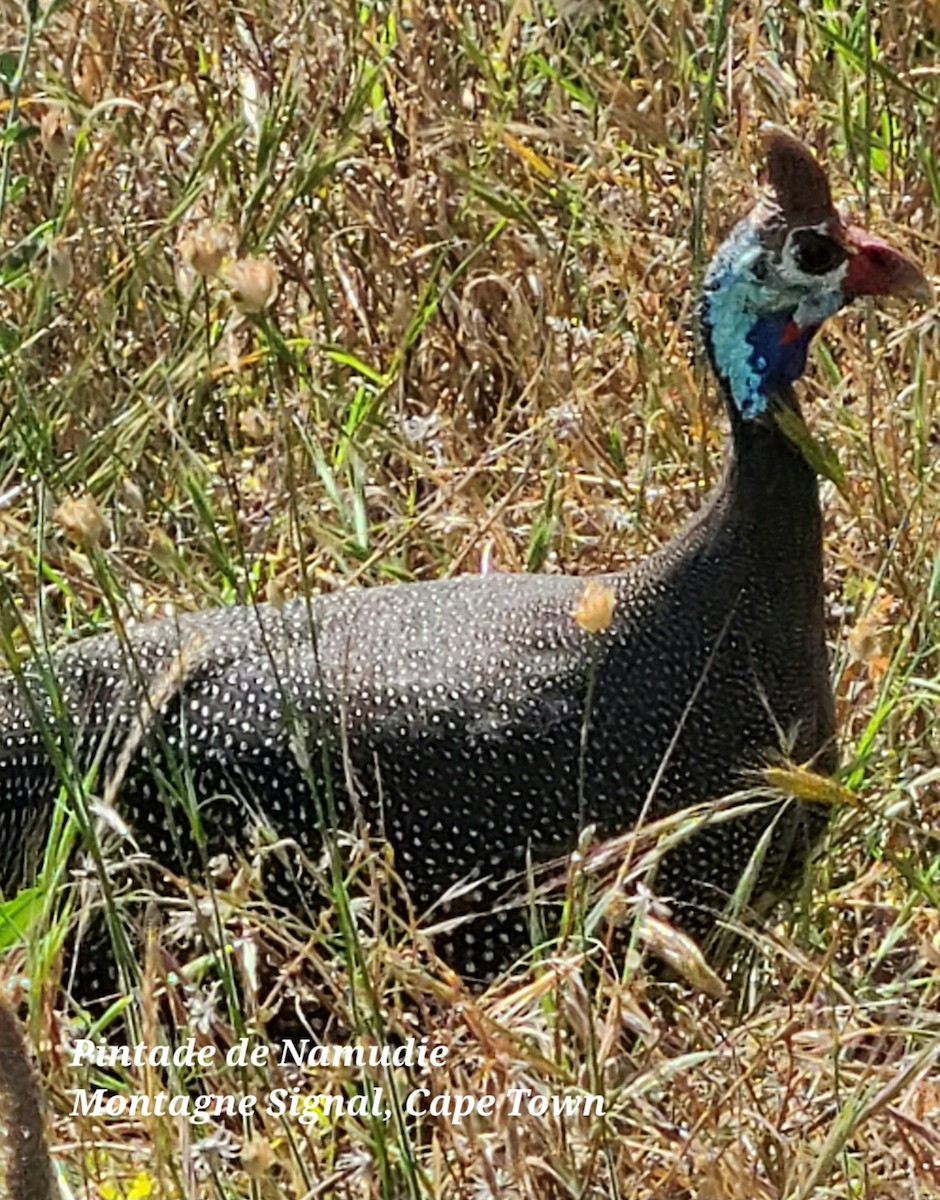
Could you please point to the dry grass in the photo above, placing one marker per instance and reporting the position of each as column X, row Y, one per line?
column 487, row 222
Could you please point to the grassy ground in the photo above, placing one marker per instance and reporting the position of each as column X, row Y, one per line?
column 472, row 235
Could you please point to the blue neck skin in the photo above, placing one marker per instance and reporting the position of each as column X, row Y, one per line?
column 756, row 341
column 767, row 360
column 778, row 352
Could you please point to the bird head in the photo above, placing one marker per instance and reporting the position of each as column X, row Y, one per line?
column 789, row 264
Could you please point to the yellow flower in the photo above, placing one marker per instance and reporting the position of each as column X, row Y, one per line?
column 142, row 1188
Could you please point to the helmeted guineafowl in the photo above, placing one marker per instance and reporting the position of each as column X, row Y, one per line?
column 476, row 721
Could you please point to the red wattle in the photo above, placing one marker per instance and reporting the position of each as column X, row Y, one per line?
column 790, row 334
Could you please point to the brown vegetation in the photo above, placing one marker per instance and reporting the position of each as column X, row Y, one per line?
column 302, row 296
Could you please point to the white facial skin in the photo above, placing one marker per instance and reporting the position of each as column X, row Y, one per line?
column 820, row 295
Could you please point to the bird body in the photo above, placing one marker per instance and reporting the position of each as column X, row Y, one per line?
column 477, row 722
column 461, row 704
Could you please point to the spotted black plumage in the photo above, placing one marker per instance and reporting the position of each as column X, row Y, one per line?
column 452, row 714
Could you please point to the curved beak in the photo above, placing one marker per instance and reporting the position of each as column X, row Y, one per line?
column 876, row 268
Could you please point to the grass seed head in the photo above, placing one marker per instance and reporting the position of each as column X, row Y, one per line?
column 253, row 283
column 595, row 608
column 61, row 267
column 206, row 248
column 81, row 520
column 55, row 135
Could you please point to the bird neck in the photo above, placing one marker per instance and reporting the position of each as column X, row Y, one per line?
column 771, row 493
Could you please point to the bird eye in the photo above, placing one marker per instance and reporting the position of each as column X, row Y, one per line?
column 815, row 253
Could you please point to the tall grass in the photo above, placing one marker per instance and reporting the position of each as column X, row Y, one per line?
column 488, row 221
